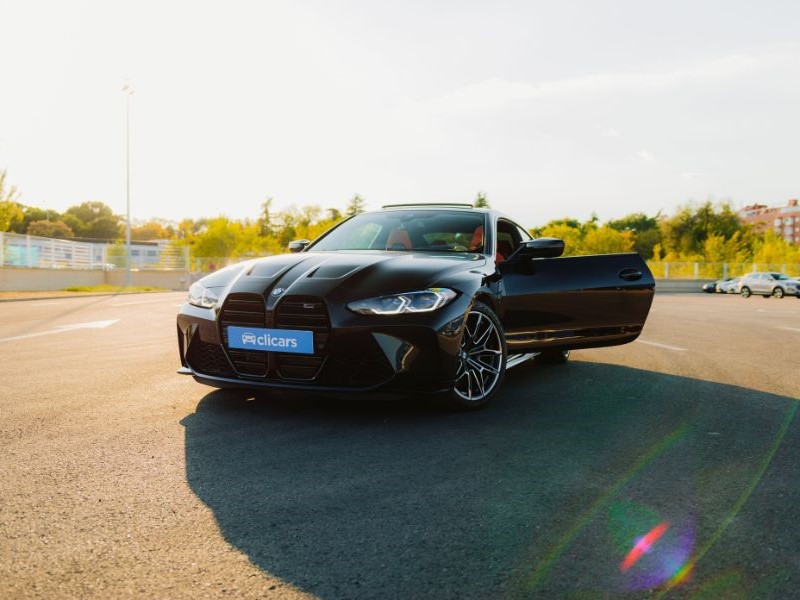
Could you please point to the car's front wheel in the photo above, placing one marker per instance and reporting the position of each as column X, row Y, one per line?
column 745, row 292
column 481, row 360
column 778, row 292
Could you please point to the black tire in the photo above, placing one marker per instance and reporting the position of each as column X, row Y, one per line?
column 553, row 357
column 482, row 360
column 778, row 292
column 745, row 292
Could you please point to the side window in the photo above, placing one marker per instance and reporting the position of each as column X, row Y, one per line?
column 524, row 235
column 508, row 238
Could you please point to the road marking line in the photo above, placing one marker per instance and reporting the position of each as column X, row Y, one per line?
column 790, row 329
column 137, row 302
column 62, row 329
column 665, row 346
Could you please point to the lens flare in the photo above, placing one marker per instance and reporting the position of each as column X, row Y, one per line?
column 643, row 546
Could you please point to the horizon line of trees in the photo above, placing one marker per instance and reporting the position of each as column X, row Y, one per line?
column 697, row 232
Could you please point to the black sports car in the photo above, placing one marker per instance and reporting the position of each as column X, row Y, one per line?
column 412, row 298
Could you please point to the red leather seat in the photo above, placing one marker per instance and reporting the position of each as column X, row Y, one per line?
column 398, row 237
column 476, row 243
column 504, row 250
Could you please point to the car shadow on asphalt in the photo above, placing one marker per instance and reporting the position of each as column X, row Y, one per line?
column 587, row 480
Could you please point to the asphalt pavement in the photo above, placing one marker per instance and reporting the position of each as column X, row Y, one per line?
column 664, row 468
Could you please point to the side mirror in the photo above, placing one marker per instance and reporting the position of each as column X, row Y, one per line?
column 298, row 245
column 541, row 248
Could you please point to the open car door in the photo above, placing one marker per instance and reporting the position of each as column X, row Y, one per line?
column 559, row 303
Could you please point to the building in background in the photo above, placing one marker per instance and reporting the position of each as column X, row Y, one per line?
column 784, row 220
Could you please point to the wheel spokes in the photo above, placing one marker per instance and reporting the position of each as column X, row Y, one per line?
column 480, row 359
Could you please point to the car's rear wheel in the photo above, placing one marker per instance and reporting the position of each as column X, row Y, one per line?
column 481, row 360
column 553, row 357
column 745, row 292
column 778, row 292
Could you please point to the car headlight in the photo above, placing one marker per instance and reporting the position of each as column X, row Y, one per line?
column 410, row 302
column 201, row 296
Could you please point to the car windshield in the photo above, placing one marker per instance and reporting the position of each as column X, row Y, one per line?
column 780, row 276
column 404, row 230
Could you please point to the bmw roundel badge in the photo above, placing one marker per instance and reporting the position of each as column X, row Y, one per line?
column 278, row 291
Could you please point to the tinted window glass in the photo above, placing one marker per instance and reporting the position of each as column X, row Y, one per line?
column 420, row 230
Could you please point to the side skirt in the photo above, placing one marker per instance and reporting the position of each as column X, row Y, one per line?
column 517, row 359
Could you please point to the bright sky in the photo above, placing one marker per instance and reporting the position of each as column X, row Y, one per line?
column 552, row 108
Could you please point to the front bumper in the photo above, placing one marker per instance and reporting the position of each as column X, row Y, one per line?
column 353, row 353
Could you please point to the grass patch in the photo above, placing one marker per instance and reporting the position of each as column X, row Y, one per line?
column 111, row 288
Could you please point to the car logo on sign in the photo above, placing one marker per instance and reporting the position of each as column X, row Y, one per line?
column 248, row 338
column 277, row 291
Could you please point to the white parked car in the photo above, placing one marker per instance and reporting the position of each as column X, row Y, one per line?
column 729, row 286
column 768, row 284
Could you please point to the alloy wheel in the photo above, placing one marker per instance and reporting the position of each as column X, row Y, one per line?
column 480, row 358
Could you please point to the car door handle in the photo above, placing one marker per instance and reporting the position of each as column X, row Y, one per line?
column 630, row 274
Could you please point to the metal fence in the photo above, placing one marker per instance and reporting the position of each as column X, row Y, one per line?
column 700, row 270
column 28, row 251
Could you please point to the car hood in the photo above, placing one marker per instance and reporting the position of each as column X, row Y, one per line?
column 348, row 274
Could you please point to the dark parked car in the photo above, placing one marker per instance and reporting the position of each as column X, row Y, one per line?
column 412, row 298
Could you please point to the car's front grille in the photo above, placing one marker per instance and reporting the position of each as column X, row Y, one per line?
column 245, row 310
column 361, row 363
column 306, row 313
column 208, row 359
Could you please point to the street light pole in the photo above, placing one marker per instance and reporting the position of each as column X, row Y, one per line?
column 128, row 93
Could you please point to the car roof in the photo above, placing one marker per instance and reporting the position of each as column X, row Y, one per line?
column 433, row 206
column 454, row 206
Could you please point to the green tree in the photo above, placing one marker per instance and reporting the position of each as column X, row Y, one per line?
column 606, row 240
column 10, row 215
column 31, row 214
column 73, row 223
column 481, row 201
column 87, row 212
column 93, row 220
column 50, row 229
column 220, row 239
column 152, row 230
column 685, row 233
column 189, row 228
column 355, row 205
column 645, row 230
column 572, row 236
column 265, row 218
column 566, row 221
column 10, row 210
column 774, row 250
column 103, row 228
